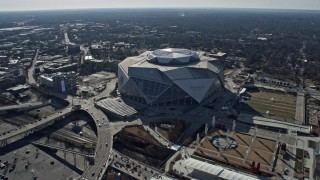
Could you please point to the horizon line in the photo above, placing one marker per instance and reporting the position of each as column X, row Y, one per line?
column 162, row 8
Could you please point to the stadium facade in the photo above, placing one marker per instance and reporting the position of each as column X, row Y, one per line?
column 171, row 77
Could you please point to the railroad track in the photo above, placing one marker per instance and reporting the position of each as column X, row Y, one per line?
column 71, row 136
column 61, row 134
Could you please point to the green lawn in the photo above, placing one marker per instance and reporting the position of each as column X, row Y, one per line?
column 279, row 105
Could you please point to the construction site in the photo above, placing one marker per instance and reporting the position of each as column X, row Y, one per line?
column 138, row 143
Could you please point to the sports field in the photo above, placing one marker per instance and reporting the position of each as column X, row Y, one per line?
column 273, row 103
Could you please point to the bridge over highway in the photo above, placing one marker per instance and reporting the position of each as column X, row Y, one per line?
column 26, row 106
column 34, row 126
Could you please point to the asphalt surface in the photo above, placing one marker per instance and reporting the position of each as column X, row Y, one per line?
column 31, row 79
column 132, row 167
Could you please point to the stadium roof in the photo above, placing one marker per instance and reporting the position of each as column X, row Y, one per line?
column 173, row 56
column 142, row 61
column 191, row 164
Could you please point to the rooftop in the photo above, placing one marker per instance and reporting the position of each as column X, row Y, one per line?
column 173, row 56
column 116, row 106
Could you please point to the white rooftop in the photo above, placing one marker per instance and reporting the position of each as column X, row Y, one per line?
column 190, row 165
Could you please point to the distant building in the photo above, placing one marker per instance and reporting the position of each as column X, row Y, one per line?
column 56, row 67
column 19, row 88
column 74, row 49
column 119, row 44
column 171, row 77
column 13, row 63
column 11, row 80
column 60, row 82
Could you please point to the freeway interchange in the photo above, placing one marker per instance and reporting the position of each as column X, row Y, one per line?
column 104, row 135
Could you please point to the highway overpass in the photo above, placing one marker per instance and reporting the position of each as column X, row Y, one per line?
column 37, row 125
column 24, row 107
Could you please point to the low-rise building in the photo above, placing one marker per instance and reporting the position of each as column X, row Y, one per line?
column 60, row 82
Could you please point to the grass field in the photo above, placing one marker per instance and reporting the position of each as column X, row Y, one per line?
column 262, row 150
column 228, row 72
column 277, row 104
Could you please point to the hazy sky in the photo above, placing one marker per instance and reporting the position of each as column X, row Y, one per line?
column 13, row 5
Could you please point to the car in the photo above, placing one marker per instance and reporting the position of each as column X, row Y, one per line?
column 125, row 159
column 99, row 125
column 107, row 144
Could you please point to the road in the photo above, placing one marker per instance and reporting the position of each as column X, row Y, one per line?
column 300, row 108
column 104, row 145
column 132, row 167
column 66, row 38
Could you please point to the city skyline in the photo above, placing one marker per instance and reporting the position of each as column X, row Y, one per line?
column 20, row 5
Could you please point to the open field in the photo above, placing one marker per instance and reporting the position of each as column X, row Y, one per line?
column 277, row 104
column 261, row 152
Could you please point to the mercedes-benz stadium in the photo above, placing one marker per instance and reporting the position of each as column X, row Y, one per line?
column 171, row 77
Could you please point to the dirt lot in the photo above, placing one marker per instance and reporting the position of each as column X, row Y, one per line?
column 171, row 134
column 261, row 152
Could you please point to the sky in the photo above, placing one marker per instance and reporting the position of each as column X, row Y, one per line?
column 21, row 5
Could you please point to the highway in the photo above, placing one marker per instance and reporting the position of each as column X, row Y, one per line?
column 132, row 167
column 31, row 79
column 26, row 106
column 36, row 125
